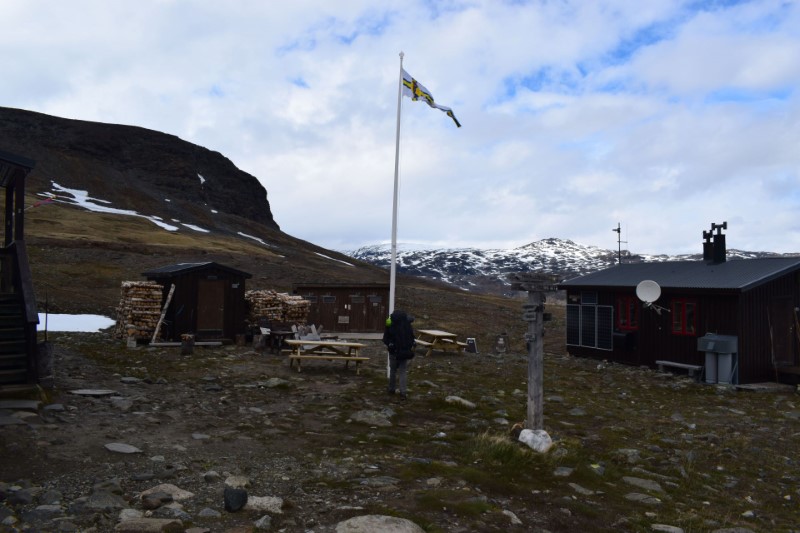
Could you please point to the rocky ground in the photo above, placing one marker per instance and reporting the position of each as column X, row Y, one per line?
column 146, row 439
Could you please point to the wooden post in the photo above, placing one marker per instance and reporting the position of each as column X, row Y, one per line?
column 533, row 314
column 163, row 313
column 535, row 419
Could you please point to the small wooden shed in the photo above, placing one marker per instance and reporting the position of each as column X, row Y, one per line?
column 346, row 307
column 208, row 300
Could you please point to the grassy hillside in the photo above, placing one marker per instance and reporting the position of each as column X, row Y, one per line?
column 79, row 259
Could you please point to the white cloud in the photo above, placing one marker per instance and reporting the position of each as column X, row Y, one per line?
column 661, row 115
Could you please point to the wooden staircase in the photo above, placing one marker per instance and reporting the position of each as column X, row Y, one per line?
column 14, row 358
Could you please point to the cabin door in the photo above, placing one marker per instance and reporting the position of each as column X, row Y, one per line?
column 781, row 319
column 210, row 308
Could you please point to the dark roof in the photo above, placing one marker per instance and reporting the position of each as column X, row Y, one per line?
column 12, row 165
column 185, row 268
column 739, row 274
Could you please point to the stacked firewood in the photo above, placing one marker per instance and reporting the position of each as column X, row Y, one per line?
column 270, row 305
column 139, row 309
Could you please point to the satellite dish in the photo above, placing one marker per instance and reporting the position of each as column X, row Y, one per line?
column 648, row 291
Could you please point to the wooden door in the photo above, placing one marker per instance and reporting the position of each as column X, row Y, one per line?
column 211, row 306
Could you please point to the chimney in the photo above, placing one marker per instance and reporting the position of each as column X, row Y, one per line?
column 714, row 248
column 708, row 246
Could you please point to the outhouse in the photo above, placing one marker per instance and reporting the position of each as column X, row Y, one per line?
column 208, row 300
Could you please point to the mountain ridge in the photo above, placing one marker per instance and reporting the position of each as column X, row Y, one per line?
column 485, row 270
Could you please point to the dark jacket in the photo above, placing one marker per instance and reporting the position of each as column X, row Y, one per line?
column 399, row 335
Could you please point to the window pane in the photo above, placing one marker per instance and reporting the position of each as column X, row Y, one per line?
column 588, row 326
column 690, row 315
column 573, row 325
column 633, row 310
column 677, row 317
column 605, row 329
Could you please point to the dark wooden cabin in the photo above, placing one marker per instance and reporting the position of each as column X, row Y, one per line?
column 208, row 300
column 346, row 307
column 753, row 301
column 20, row 360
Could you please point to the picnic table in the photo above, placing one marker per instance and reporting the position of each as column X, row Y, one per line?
column 325, row 349
column 436, row 339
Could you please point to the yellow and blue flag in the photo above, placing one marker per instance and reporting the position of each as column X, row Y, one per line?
column 416, row 91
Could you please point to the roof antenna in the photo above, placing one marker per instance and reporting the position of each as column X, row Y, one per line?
column 618, row 229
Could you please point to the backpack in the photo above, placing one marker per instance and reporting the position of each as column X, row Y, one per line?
column 399, row 335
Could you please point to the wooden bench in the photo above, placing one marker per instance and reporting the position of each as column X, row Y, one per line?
column 426, row 344
column 692, row 369
column 327, row 357
column 327, row 350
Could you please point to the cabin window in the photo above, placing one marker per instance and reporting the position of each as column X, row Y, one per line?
column 356, row 299
column 329, row 299
column 684, row 316
column 311, row 298
column 375, row 299
column 627, row 313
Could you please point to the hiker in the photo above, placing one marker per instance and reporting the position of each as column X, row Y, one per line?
column 398, row 336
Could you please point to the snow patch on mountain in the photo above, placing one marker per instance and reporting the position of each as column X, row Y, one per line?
column 487, row 270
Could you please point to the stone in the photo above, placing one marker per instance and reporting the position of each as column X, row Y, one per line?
column 267, row 504
column 373, row 523
column 150, row 525
column 130, row 380
column 237, row 482
column 111, row 485
column 207, row 512
column 121, row 447
column 642, row 498
column 457, row 400
column 104, row 501
column 264, row 523
column 371, row 418
column 177, row 493
column 271, row 383
column 666, row 528
column 211, row 476
column 93, row 392
column 563, row 471
column 154, row 500
column 646, row 484
column 514, row 519
column 200, row 436
column 129, row 514
column 42, row 513
column 235, row 499
column 537, row 439
column 581, row 490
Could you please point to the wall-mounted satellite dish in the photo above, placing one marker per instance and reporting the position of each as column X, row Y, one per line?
column 648, row 291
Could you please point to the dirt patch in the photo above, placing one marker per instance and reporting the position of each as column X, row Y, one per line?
column 710, row 457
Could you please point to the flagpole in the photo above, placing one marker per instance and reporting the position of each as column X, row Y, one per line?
column 393, row 269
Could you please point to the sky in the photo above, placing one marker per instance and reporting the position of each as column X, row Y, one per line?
column 663, row 116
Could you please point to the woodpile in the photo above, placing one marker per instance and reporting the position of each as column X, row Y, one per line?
column 270, row 305
column 139, row 309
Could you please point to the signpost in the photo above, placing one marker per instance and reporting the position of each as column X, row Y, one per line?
column 533, row 313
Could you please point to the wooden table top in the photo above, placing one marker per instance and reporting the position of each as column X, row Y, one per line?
column 436, row 333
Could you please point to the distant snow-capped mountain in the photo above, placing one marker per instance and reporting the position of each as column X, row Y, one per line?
column 486, row 270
